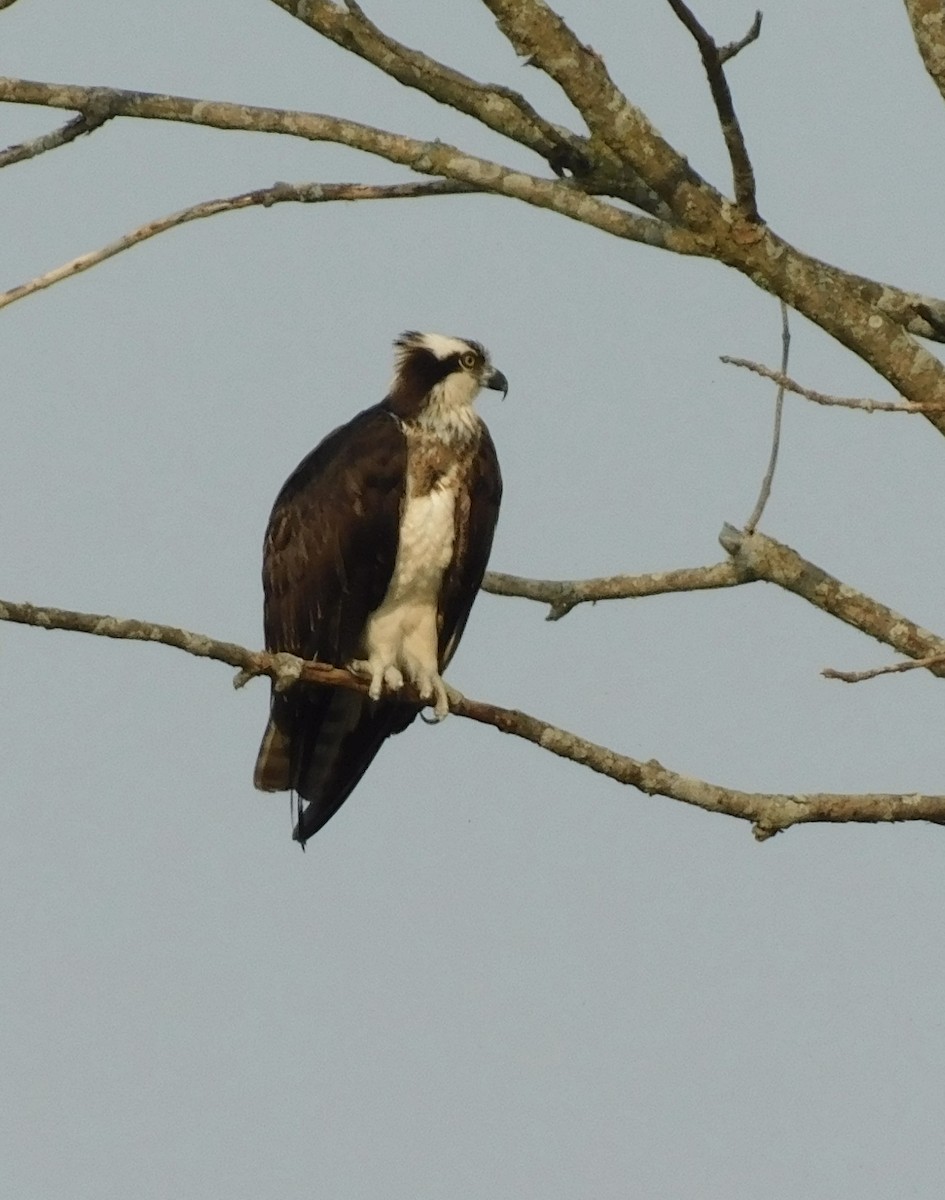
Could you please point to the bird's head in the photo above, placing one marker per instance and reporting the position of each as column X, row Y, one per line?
column 440, row 377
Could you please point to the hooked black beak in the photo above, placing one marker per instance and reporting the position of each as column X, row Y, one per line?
column 496, row 382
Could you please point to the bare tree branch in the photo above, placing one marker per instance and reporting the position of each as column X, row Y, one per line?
column 752, row 523
column 83, row 123
column 861, row 314
column 927, row 18
column 499, row 108
column 753, row 557
column 847, row 307
column 732, row 48
column 743, row 176
column 564, row 594
column 542, row 38
column 426, row 158
column 933, row 660
column 306, row 193
column 764, row 558
column 863, row 404
column 921, row 315
column 768, row 813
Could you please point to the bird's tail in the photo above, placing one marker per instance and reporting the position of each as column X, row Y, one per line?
column 273, row 771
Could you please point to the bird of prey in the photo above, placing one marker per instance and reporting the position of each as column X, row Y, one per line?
column 375, row 550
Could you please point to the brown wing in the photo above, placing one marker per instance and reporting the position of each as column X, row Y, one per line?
column 328, row 558
column 477, row 511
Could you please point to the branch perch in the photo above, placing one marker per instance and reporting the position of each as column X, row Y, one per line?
column 768, row 813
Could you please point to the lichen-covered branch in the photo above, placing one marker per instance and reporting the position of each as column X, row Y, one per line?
column 305, row 193
column 501, row 109
column 847, row 307
column 539, row 35
column 876, row 322
column 753, row 557
column 564, row 594
column 761, row 557
column 426, row 158
column 82, row 124
column 927, row 18
column 768, row 813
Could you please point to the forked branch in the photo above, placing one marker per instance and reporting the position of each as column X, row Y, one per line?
column 562, row 595
column 863, row 403
column 501, row 109
column 82, row 124
column 714, row 58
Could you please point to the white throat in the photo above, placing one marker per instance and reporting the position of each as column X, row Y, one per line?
column 449, row 413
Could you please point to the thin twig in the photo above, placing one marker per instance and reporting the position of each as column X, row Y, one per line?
column 768, row 813
column 743, row 176
column 932, row 660
column 82, row 124
column 564, row 594
column 732, row 48
column 752, row 523
column 306, row 193
column 864, row 404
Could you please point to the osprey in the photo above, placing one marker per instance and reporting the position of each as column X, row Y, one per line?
column 375, row 549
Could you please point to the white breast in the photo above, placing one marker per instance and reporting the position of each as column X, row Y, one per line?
column 402, row 633
column 426, row 546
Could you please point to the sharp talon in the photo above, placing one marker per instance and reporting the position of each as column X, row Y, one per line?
column 442, row 706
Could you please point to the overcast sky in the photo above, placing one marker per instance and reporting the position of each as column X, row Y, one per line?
column 493, row 974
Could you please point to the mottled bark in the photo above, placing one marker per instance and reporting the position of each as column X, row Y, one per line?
column 624, row 158
column 426, row 158
column 927, row 18
column 767, row 812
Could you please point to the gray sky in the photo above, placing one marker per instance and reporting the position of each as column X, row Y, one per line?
column 493, row 974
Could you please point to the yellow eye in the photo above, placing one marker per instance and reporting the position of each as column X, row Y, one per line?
column 467, row 360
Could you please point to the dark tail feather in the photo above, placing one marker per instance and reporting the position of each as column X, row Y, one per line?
column 319, row 746
column 273, row 771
